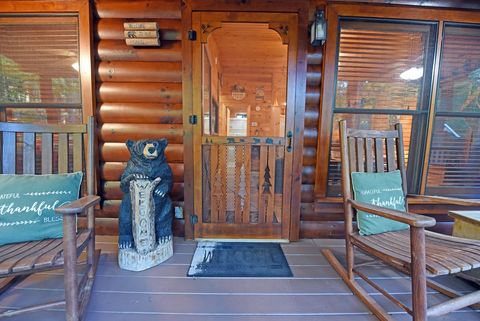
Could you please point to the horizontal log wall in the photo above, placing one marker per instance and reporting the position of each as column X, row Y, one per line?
column 139, row 95
column 325, row 219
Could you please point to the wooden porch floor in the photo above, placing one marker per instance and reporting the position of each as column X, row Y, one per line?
column 165, row 293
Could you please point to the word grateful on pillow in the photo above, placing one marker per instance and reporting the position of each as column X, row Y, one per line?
column 27, row 204
column 381, row 189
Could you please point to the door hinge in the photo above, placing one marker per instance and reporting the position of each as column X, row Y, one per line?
column 192, row 35
column 192, row 119
column 193, row 219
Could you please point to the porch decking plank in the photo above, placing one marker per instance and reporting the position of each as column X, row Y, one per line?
column 315, row 293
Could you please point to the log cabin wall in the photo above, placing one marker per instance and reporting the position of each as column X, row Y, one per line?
column 309, row 217
column 139, row 95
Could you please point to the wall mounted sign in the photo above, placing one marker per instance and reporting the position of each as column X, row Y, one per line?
column 238, row 92
column 259, row 93
column 141, row 34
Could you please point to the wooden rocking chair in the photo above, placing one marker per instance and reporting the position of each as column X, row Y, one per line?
column 19, row 260
column 417, row 252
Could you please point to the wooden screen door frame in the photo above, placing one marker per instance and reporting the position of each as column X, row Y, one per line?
column 286, row 25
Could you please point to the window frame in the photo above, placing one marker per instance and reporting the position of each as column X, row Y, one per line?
column 393, row 12
column 420, row 115
column 81, row 9
column 328, row 86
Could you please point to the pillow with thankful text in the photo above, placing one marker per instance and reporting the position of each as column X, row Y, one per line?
column 381, row 189
column 27, row 204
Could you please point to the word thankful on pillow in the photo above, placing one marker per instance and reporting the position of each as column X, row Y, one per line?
column 380, row 189
column 28, row 202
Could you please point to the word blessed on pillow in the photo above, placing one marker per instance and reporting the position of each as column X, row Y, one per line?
column 28, row 203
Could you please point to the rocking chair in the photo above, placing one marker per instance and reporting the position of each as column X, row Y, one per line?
column 419, row 253
column 19, row 260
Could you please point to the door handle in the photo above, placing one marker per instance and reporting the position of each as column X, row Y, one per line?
column 289, row 141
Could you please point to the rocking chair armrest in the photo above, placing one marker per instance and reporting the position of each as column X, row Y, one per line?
column 445, row 200
column 78, row 206
column 414, row 220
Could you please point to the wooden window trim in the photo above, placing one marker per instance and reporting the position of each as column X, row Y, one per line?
column 82, row 9
column 334, row 12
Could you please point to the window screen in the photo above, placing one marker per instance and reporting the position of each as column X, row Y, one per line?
column 39, row 63
column 454, row 162
column 383, row 77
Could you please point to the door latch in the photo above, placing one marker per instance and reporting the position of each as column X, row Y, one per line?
column 289, row 141
column 193, row 219
column 192, row 119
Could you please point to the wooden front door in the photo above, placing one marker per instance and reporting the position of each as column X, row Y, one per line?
column 244, row 67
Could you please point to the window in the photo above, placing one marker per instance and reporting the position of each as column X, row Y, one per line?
column 39, row 69
column 454, row 162
column 383, row 77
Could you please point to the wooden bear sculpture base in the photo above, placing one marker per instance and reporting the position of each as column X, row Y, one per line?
column 130, row 259
column 147, row 252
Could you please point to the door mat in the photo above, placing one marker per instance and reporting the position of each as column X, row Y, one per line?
column 238, row 259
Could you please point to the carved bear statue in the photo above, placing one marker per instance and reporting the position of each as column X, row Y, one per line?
column 147, row 162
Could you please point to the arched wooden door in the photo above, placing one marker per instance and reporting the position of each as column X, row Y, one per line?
column 244, row 67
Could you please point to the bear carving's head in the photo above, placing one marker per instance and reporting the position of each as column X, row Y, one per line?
column 147, row 149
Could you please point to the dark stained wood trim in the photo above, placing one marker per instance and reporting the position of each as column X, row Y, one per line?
column 299, row 124
column 86, row 61
column 187, row 104
column 249, row 5
column 458, row 4
column 295, row 121
column 326, row 109
column 196, row 129
column 404, row 12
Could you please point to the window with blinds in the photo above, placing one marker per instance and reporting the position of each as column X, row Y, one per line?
column 454, row 161
column 39, row 78
column 383, row 77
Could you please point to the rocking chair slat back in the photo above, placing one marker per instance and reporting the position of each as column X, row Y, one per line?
column 36, row 149
column 47, row 148
column 371, row 151
column 29, row 153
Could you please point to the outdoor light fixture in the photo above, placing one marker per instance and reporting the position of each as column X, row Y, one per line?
column 318, row 30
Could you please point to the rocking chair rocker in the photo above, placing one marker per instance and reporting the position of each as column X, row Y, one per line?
column 416, row 252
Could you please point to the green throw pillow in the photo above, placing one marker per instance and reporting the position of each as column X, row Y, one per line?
column 27, row 204
column 381, row 189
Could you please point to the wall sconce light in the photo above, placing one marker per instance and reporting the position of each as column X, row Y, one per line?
column 318, row 30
